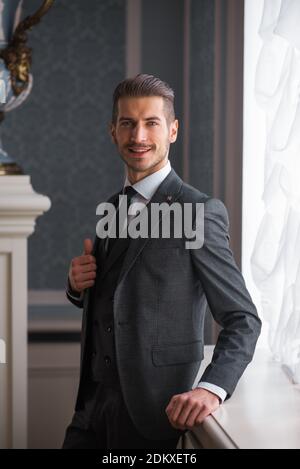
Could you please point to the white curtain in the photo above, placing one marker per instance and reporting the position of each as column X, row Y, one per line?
column 275, row 260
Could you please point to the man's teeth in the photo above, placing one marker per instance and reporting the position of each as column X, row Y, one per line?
column 135, row 150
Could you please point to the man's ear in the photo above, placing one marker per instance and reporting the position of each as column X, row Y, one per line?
column 113, row 133
column 174, row 131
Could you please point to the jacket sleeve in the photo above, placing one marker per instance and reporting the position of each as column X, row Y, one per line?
column 228, row 300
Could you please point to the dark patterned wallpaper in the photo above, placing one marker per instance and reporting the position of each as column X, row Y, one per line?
column 201, row 94
column 59, row 135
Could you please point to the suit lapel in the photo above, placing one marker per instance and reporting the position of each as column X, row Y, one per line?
column 168, row 191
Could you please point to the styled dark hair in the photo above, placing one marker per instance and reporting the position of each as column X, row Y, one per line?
column 144, row 85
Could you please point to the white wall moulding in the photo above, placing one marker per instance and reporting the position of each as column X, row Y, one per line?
column 20, row 205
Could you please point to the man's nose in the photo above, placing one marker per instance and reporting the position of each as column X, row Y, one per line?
column 139, row 133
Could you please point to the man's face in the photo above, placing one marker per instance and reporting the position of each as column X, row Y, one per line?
column 143, row 135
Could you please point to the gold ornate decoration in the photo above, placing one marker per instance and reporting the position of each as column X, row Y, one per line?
column 10, row 169
column 17, row 56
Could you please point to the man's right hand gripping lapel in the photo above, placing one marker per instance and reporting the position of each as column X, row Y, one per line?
column 82, row 272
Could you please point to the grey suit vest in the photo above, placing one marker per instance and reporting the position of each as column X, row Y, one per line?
column 103, row 356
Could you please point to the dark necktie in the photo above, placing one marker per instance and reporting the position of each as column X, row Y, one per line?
column 130, row 192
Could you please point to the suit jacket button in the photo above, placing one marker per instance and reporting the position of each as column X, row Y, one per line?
column 107, row 360
column 109, row 329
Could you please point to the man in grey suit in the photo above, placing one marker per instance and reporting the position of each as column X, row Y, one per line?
column 144, row 299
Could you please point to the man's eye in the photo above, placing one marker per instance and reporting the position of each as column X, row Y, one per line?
column 152, row 123
column 125, row 124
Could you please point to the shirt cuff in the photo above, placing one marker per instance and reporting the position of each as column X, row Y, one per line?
column 220, row 392
column 78, row 296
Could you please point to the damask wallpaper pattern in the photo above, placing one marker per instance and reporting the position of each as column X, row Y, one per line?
column 201, row 98
column 60, row 135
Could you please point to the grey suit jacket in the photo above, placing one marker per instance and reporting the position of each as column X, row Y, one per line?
column 159, row 308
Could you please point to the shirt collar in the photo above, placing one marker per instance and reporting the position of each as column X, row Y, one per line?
column 147, row 186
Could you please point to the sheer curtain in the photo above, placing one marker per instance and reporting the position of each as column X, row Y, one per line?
column 275, row 260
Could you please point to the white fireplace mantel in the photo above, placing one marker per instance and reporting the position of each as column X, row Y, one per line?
column 20, row 205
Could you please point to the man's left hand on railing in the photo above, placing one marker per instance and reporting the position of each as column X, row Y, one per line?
column 189, row 409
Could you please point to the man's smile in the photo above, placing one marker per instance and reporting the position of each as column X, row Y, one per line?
column 138, row 151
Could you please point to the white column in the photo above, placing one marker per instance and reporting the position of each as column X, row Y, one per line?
column 19, row 208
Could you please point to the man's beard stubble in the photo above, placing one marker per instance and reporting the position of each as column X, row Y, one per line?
column 152, row 165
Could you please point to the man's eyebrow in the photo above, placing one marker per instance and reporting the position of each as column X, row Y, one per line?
column 153, row 118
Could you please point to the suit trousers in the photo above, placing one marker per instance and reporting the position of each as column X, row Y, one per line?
column 104, row 423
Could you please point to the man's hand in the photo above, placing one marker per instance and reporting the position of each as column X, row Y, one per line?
column 82, row 272
column 189, row 409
